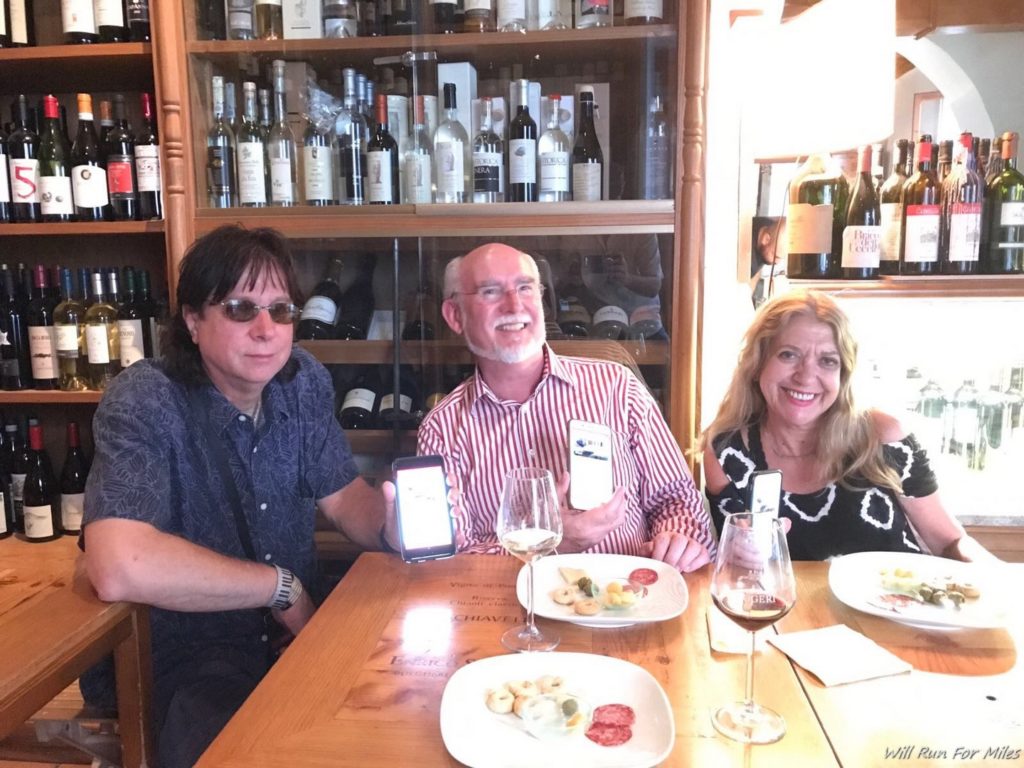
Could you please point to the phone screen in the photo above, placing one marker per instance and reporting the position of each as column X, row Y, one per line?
column 590, row 464
column 424, row 519
column 766, row 491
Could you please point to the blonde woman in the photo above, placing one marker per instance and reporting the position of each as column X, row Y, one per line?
column 852, row 480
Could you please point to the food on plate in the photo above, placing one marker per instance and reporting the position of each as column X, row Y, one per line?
column 615, row 714
column 500, row 700
column 611, row 725
column 550, row 684
column 565, row 595
column 544, row 706
column 943, row 591
column 587, row 606
column 617, row 596
column 571, row 575
column 645, row 576
column 588, row 598
column 522, row 687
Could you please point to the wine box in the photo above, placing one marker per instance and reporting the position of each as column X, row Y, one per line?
column 303, row 20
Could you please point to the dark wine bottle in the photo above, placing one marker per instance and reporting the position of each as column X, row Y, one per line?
column 78, row 21
column 121, row 181
column 136, row 324
column 360, row 403
column 1004, row 214
column 522, row 150
column 815, row 220
column 55, row 202
column 72, row 483
column 587, row 158
column 138, row 20
column 398, row 409
column 42, row 335
column 320, row 312
column 211, row 20
column 5, row 42
column 961, row 201
column 19, row 468
column 863, row 233
column 41, row 493
column 23, row 157
column 421, row 315
column 382, row 160
column 110, row 20
column 147, row 164
column 15, row 364
column 356, row 308
column 919, row 232
column 88, row 168
column 891, row 210
column 573, row 316
column 444, row 16
column 6, row 505
column 5, row 179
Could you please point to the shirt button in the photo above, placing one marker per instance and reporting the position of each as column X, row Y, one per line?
column 267, row 557
column 241, row 418
column 255, row 449
column 263, row 506
column 263, row 638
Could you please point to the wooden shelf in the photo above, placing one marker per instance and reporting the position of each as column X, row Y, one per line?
column 48, row 397
column 380, row 440
column 70, row 68
column 934, row 287
column 84, row 228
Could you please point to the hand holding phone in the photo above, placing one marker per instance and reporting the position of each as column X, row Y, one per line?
column 425, row 530
column 590, row 464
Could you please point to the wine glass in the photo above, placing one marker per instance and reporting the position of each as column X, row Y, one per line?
column 529, row 526
column 753, row 585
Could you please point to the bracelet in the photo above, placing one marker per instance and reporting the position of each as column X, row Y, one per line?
column 384, row 542
column 288, row 590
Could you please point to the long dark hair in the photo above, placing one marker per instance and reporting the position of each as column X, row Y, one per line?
column 210, row 271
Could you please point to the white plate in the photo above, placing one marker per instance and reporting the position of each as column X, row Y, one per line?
column 482, row 739
column 666, row 598
column 856, row 580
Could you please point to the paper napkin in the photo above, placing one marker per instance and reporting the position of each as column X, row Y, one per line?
column 838, row 654
column 727, row 636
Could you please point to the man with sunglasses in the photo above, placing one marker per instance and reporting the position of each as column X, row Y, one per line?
column 514, row 412
column 210, row 464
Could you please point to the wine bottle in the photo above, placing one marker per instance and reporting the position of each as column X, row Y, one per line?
column 6, row 504
column 341, row 18
column 452, row 153
column 488, row 159
column 593, row 13
column 23, row 160
column 138, row 20
column 318, row 150
column 351, row 131
column 405, row 17
column 22, row 23
column 961, row 205
column 511, row 15
column 479, row 16
column 656, row 151
column 269, row 19
column 444, row 16
column 421, row 313
column 553, row 155
column 398, row 409
column 72, row 483
column 963, row 439
column 251, row 154
column 240, row 23
column 554, row 14
column 281, row 146
column 211, row 19
column 69, row 330
column 15, row 363
column 41, row 494
column 88, row 169
column 891, row 209
column 110, row 20
column 78, row 22
column 992, row 423
column 42, row 338
column 994, row 166
column 5, row 42
column 522, row 150
column 419, row 160
column 356, row 309
column 863, row 232
column 815, row 220
column 373, row 20
column 359, row 406
column 135, row 323
column 981, row 154
column 102, row 340
column 587, row 158
column 220, row 153
column 122, row 184
column 147, row 164
column 55, row 203
column 19, row 468
column 1014, row 396
column 5, row 179
column 382, row 160
column 1004, row 213
column 919, row 238
column 636, row 12
column 320, row 312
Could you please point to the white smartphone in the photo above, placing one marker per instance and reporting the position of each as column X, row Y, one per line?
column 424, row 517
column 590, row 464
column 766, row 492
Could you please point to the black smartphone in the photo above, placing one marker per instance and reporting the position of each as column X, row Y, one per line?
column 765, row 492
column 425, row 527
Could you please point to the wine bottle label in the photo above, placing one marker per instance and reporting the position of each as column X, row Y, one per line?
column 554, row 172
column 922, row 234
column 252, row 187
column 19, row 23
column 418, row 181
column 338, row 27
column 443, row 2
column 611, row 314
column 1011, row 215
column 571, row 310
column 120, row 181
column 77, row 16
column 138, row 11
column 809, row 228
column 109, row 13
column 645, row 321
column 479, row 5
column 89, row 186
column 17, row 492
column 586, row 181
column 147, row 167
column 450, row 167
column 861, row 247
column 67, row 337
column 3, row 31
column 240, row 16
column 378, row 175
column 97, row 344
column 522, row 161
column 281, row 190
column 510, row 10
column 268, row 2
column 548, row 11
column 55, row 195
column 892, row 220
column 964, row 231
column 72, row 508
column 5, row 184
column 594, row 7
column 132, row 347
column 359, row 398
column 387, row 402
column 318, row 183
column 38, row 522
column 3, row 515
column 487, row 167
column 320, row 308
column 24, row 180
column 642, row 9
column 220, row 170
column 42, row 345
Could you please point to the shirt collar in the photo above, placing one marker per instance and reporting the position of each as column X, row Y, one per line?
column 555, row 370
column 223, row 413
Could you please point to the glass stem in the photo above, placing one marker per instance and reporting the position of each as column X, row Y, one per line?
column 750, row 672
column 529, row 598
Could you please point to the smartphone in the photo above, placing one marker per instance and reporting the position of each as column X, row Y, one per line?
column 590, row 464
column 765, row 492
column 425, row 527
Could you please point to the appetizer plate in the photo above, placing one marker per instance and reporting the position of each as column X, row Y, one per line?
column 666, row 598
column 480, row 738
column 857, row 581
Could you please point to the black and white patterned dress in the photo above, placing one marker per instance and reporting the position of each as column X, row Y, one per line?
column 835, row 520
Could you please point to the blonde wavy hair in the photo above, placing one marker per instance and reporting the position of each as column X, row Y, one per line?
column 848, row 444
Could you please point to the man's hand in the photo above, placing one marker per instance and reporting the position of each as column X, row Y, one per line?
column 296, row 617
column 582, row 529
column 387, row 489
column 677, row 550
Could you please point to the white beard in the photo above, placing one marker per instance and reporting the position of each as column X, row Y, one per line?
column 518, row 353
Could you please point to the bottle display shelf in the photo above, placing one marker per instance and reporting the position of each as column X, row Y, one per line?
column 76, row 228
column 934, row 286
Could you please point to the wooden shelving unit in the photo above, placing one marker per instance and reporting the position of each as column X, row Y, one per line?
column 932, row 287
column 78, row 228
column 48, row 397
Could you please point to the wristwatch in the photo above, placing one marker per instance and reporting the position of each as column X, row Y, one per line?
column 288, row 590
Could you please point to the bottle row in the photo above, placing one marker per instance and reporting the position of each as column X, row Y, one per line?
column 367, row 399
column 954, row 220
column 311, row 19
column 36, row 503
column 82, row 21
column 113, row 175
column 59, row 335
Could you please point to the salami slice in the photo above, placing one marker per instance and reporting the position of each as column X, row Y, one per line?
column 645, row 576
column 614, row 714
column 609, row 735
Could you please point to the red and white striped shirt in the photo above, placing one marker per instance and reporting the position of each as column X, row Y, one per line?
column 481, row 438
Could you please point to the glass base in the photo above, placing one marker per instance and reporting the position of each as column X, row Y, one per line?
column 527, row 638
column 749, row 723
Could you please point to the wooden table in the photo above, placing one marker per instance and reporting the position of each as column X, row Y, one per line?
column 53, row 627
column 362, row 684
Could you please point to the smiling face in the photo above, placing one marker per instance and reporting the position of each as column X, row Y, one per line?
column 800, row 379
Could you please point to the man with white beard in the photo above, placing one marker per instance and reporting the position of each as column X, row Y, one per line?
column 514, row 412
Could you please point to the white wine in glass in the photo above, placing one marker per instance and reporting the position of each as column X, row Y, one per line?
column 753, row 585
column 529, row 526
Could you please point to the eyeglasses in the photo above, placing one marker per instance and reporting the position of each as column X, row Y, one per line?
column 243, row 311
column 492, row 294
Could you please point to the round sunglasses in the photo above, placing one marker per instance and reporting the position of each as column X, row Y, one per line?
column 244, row 310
